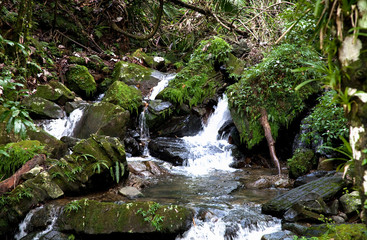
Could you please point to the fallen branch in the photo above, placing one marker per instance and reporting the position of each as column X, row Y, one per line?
column 13, row 181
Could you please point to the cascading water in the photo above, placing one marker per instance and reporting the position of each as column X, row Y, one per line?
column 63, row 126
column 54, row 213
column 24, row 224
column 143, row 127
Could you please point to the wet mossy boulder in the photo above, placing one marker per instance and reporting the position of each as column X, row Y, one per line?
column 42, row 108
column 103, row 118
column 127, row 97
column 158, row 113
column 356, row 231
column 55, row 91
column 301, row 163
column 130, row 73
column 128, row 219
column 81, row 81
column 92, row 61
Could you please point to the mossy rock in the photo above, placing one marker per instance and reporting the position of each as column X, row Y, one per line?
column 356, row 231
column 124, row 96
column 94, row 218
column 92, row 62
column 158, row 63
column 158, row 113
column 53, row 146
column 42, row 107
column 103, row 118
column 234, row 66
column 130, row 73
column 301, row 163
column 55, row 91
column 81, row 81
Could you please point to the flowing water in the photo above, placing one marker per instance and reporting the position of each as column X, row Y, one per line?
column 206, row 182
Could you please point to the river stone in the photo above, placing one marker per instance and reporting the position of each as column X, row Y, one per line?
column 42, row 107
column 259, row 184
column 71, row 106
column 282, row 235
column 137, row 167
column 350, row 202
column 158, row 113
column 95, row 218
column 103, row 119
column 310, row 177
column 130, row 192
column 180, row 126
column 326, row 187
column 172, row 150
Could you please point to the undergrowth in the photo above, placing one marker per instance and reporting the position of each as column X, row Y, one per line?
column 271, row 85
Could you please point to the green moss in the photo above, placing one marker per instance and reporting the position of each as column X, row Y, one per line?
column 199, row 80
column 301, row 162
column 130, row 73
column 54, row 91
column 270, row 85
column 14, row 155
column 81, row 81
column 340, row 232
column 123, row 95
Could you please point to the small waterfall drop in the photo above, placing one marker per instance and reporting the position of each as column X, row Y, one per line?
column 63, row 126
column 24, row 224
column 207, row 152
column 54, row 213
column 143, row 127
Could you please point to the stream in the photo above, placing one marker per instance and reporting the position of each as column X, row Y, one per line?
column 206, row 182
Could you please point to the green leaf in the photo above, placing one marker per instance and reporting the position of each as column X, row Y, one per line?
column 17, row 125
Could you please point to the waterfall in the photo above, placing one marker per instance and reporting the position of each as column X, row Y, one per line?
column 54, row 213
column 24, row 224
column 207, row 152
column 63, row 126
column 143, row 127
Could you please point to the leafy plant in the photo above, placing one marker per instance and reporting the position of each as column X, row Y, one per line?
column 97, row 166
column 152, row 216
column 74, row 206
column 117, row 171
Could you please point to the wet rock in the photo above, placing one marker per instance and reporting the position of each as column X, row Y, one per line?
column 310, row 177
column 301, row 162
column 172, row 150
column 130, row 192
column 43, row 108
column 350, row 202
column 103, row 119
column 81, row 81
column 259, row 184
column 53, row 146
column 97, row 218
column 282, row 235
column 55, row 91
column 127, row 97
column 296, row 228
column 137, row 167
column 70, row 141
column 180, row 126
column 158, row 112
column 334, row 207
column 71, row 106
column 155, row 169
column 339, row 231
column 158, row 63
column 326, row 187
column 338, row 219
column 283, row 183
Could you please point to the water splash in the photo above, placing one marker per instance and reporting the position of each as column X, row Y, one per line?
column 54, row 213
column 24, row 224
column 63, row 126
column 207, row 152
column 162, row 84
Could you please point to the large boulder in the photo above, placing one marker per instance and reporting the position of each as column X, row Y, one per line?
column 55, row 91
column 179, row 126
column 103, row 118
column 95, row 164
column 158, row 63
column 172, row 150
column 149, row 220
column 42, row 107
column 125, row 96
column 81, row 81
column 325, row 187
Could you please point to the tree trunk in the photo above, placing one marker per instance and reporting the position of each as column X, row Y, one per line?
column 269, row 137
column 13, row 181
